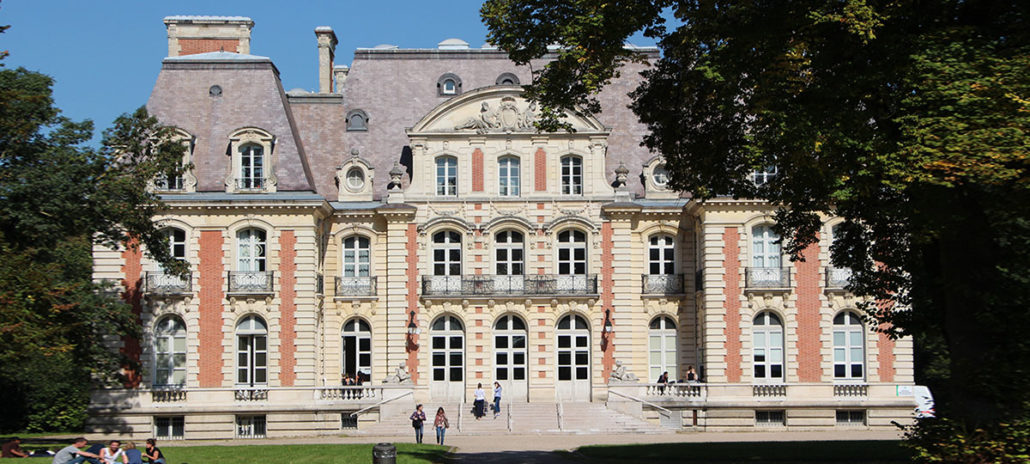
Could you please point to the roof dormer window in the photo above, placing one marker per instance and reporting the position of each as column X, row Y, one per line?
column 448, row 85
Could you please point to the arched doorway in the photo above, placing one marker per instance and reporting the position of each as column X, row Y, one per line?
column 573, row 349
column 447, row 336
column 510, row 371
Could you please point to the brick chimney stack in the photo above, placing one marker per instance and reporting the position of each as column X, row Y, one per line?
column 188, row 35
column 326, row 52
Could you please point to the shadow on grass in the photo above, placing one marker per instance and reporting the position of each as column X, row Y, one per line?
column 509, row 457
column 865, row 451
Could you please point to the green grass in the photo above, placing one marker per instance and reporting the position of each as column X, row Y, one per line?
column 407, row 453
column 871, row 451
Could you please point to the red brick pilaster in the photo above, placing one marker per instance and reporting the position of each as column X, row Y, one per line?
column 607, row 296
column 477, row 170
column 885, row 346
column 412, row 275
column 540, row 170
column 809, row 344
column 194, row 46
column 731, row 263
column 132, row 282
column 287, row 308
column 211, row 294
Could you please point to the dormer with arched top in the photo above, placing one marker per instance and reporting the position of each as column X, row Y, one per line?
column 484, row 144
column 354, row 178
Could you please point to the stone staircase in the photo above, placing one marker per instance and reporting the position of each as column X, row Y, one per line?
column 526, row 418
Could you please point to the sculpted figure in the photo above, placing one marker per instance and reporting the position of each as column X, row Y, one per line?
column 401, row 375
column 620, row 373
column 480, row 124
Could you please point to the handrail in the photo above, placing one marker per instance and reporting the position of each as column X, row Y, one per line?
column 461, row 411
column 355, row 413
column 629, row 397
column 561, row 417
column 509, row 416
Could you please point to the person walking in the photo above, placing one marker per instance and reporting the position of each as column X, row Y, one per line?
column 497, row 399
column 153, row 453
column 480, row 404
column 441, row 425
column 417, row 419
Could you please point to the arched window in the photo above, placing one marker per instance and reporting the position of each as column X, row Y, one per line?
column 446, row 176
column 170, row 352
column 662, row 348
column 572, row 261
column 571, row 175
column 250, row 251
column 508, row 176
column 251, row 351
column 573, row 349
column 448, row 337
column 510, row 348
column 448, row 84
column 848, row 347
column 357, row 120
column 507, row 79
column 767, row 347
column 252, row 167
column 357, row 350
column 765, row 258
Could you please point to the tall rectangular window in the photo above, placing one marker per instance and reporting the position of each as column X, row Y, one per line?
column 572, row 175
column 508, row 176
column 446, row 176
column 252, row 167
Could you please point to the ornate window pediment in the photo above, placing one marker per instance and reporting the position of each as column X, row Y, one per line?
column 185, row 182
column 253, row 162
column 656, row 180
column 354, row 178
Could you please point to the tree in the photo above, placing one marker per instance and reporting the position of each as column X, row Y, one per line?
column 908, row 119
column 58, row 197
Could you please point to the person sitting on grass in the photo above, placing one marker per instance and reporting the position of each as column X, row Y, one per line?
column 134, row 455
column 73, row 455
column 153, row 453
column 12, row 449
column 112, row 453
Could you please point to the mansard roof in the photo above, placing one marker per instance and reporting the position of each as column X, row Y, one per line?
column 249, row 94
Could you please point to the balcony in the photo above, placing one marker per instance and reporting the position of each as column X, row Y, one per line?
column 767, row 278
column 665, row 284
column 837, row 278
column 509, row 285
column 169, row 394
column 159, row 283
column 355, row 286
column 251, row 282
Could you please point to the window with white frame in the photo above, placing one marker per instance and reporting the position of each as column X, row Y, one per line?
column 509, row 253
column 848, row 347
column 508, row 176
column 357, row 350
column 765, row 257
column 176, row 243
column 764, row 176
column 250, row 250
column 571, row 175
column 572, row 261
column 169, row 427
column 357, row 257
column 448, row 352
column 662, row 348
column 447, row 253
column 510, row 348
column 251, row 352
column 250, row 426
column 767, row 347
column 446, row 176
column 170, row 352
column 449, row 87
column 252, row 167
column 661, row 255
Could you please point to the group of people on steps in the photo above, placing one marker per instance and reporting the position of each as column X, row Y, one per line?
column 441, row 424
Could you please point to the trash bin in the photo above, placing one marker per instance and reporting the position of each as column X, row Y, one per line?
column 384, row 453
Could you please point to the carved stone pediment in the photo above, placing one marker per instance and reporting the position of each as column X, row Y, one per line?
column 492, row 111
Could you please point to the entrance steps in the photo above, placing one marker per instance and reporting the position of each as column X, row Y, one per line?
column 526, row 418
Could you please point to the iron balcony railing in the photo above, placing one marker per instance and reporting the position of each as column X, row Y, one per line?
column 168, row 284
column 768, row 277
column 485, row 285
column 662, row 284
column 837, row 277
column 356, row 286
column 251, row 282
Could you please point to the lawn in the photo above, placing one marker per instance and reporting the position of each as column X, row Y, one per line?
column 291, row 454
column 882, row 451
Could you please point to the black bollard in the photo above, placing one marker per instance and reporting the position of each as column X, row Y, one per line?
column 384, row 453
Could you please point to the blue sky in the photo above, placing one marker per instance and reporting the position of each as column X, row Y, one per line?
column 105, row 54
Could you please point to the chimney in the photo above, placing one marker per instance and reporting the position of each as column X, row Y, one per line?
column 326, row 51
column 340, row 76
column 188, row 35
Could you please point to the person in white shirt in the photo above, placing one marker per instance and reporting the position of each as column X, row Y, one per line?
column 480, row 404
column 112, row 453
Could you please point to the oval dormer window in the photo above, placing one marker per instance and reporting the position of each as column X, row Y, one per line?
column 355, row 179
column 660, row 175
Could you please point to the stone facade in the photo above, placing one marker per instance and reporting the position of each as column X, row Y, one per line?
column 408, row 220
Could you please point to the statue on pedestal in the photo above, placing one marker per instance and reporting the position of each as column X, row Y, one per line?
column 619, row 374
column 401, row 375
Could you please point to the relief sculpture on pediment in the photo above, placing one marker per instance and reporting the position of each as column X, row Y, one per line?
column 507, row 117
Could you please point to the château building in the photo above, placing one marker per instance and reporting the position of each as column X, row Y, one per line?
column 407, row 225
